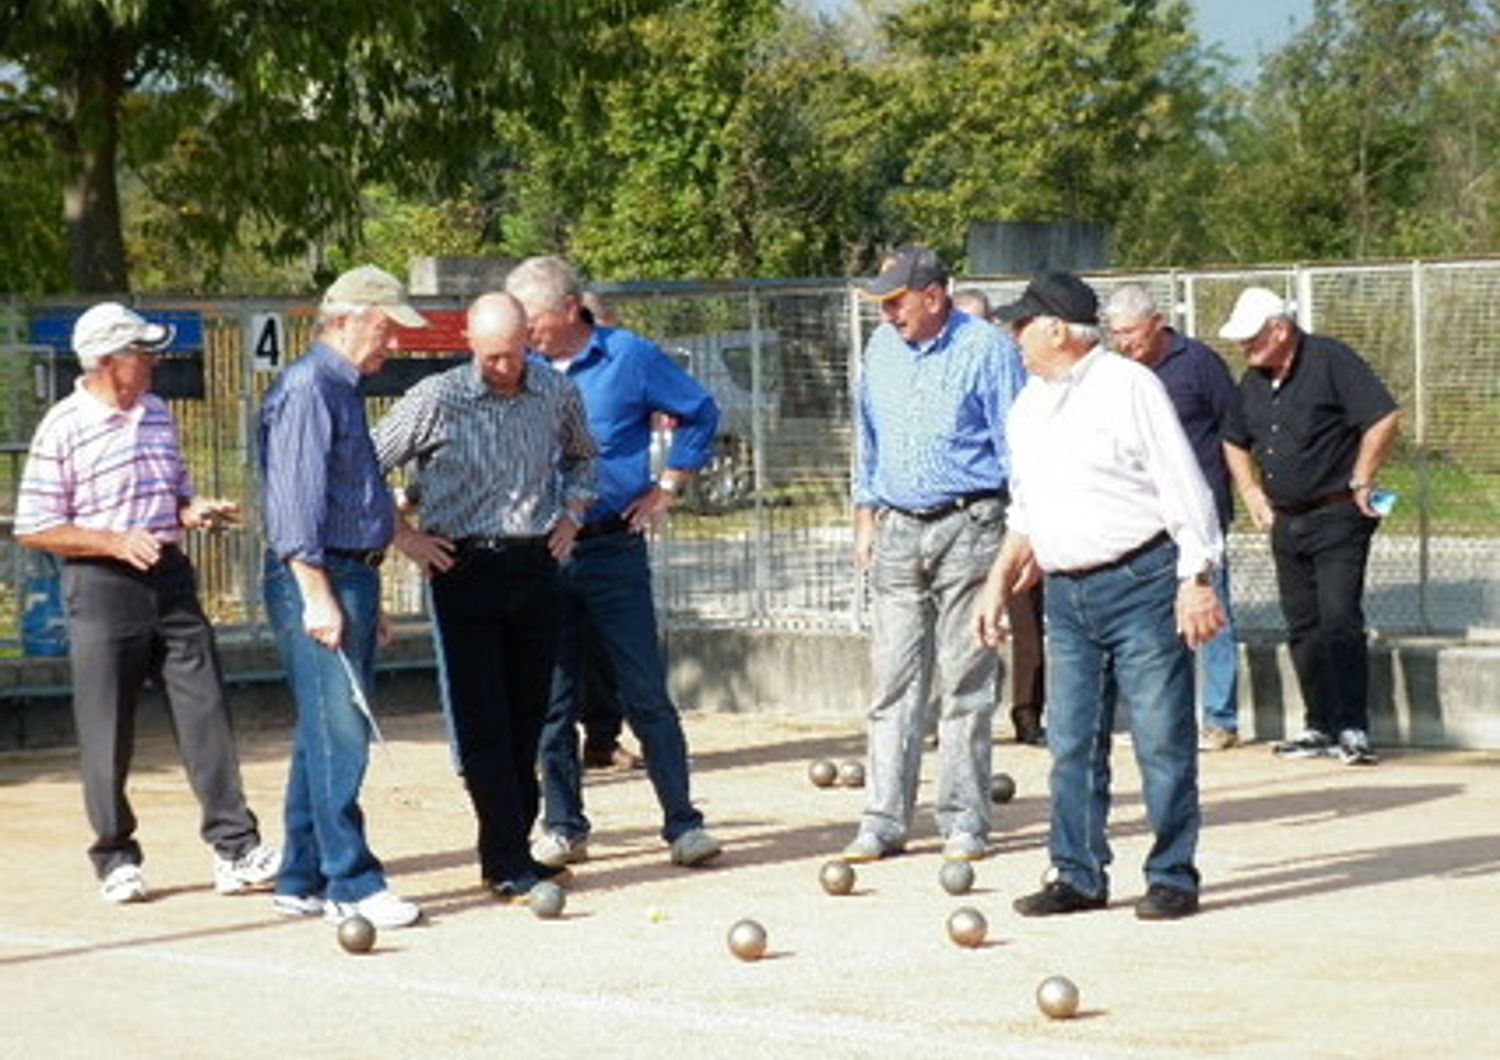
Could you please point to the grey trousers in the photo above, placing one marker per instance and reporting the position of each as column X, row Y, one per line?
column 924, row 580
column 124, row 626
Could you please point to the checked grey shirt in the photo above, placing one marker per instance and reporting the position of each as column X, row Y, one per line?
column 488, row 464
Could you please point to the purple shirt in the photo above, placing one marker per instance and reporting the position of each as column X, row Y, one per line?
column 101, row 468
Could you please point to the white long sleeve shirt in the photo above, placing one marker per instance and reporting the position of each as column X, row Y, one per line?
column 1100, row 465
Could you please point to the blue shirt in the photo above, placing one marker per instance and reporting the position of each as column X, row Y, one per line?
column 932, row 416
column 322, row 483
column 624, row 379
column 1203, row 392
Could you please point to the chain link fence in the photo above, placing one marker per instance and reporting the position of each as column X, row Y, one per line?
column 764, row 537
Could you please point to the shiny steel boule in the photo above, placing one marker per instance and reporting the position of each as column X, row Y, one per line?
column 852, row 774
column 967, row 927
column 956, row 877
column 547, row 900
column 747, row 940
column 1057, row 997
column 837, row 877
column 823, row 773
column 356, row 935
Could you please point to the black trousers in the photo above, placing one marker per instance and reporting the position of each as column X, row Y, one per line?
column 1320, row 570
column 497, row 615
column 125, row 626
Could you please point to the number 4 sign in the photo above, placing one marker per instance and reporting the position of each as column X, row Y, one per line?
column 265, row 338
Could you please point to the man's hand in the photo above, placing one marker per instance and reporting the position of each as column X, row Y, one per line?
column 1259, row 506
column 209, row 513
column 560, row 539
column 385, row 629
column 649, row 510
column 1014, row 569
column 864, row 538
column 432, row 554
column 1199, row 616
column 137, row 547
column 322, row 618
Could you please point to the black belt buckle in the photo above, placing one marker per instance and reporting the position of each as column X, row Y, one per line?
column 370, row 557
column 957, row 504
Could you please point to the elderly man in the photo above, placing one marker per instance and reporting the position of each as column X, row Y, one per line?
column 1319, row 424
column 105, row 488
column 625, row 380
column 328, row 522
column 504, row 468
column 1203, row 392
column 1110, row 504
column 930, row 496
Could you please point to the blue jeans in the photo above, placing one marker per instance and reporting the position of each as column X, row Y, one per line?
column 1219, row 662
column 325, row 851
column 607, row 585
column 1116, row 629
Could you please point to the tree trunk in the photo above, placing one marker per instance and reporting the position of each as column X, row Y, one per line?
column 91, row 197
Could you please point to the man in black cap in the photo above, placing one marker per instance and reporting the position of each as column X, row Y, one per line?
column 930, row 498
column 1108, row 501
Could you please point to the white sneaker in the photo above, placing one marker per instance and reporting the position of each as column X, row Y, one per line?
column 123, row 884
column 384, row 909
column 964, row 846
column 294, row 906
column 251, row 870
column 555, row 850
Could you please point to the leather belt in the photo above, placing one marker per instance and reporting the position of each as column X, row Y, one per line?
column 610, row 524
column 957, row 504
column 1161, row 537
column 483, row 543
column 370, row 557
column 1303, row 507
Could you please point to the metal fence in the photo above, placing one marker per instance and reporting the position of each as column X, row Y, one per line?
column 765, row 535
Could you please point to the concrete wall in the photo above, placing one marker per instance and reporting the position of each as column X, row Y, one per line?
column 1423, row 693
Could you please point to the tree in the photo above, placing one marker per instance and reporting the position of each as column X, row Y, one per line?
column 1011, row 110
column 276, row 112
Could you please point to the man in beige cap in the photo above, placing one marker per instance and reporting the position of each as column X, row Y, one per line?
column 1318, row 424
column 329, row 519
column 105, row 489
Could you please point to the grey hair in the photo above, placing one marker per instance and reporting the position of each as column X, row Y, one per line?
column 543, row 283
column 330, row 313
column 975, row 295
column 1088, row 333
column 1132, row 302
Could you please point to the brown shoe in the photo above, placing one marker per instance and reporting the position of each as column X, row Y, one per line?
column 1213, row 738
column 1028, row 725
column 615, row 758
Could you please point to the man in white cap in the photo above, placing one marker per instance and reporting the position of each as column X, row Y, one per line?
column 329, row 519
column 105, row 489
column 1318, row 424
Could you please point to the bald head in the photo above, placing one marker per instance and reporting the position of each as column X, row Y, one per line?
column 496, row 314
column 497, row 335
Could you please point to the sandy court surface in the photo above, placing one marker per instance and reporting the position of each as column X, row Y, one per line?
column 1347, row 912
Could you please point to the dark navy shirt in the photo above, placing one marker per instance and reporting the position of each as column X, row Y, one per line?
column 1203, row 392
column 322, row 482
column 1305, row 433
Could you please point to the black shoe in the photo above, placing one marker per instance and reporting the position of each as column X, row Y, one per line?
column 1166, row 903
column 516, row 890
column 1028, row 725
column 1058, row 897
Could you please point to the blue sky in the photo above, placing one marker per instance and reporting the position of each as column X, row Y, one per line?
column 1248, row 29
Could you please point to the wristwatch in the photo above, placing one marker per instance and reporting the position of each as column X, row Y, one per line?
column 1355, row 485
column 666, row 485
column 1205, row 576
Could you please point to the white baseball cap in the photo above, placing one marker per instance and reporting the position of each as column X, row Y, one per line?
column 109, row 327
column 1255, row 306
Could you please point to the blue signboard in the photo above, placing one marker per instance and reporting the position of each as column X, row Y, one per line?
column 54, row 327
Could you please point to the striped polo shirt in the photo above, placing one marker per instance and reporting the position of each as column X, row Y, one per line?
column 102, row 468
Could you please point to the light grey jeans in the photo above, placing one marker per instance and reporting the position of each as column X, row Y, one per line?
column 924, row 579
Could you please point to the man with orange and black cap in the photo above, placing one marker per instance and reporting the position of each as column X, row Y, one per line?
column 930, row 497
column 1108, row 502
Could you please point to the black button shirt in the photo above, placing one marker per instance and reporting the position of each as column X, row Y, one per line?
column 1305, row 433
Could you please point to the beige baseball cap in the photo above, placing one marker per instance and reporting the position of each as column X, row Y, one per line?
column 371, row 286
